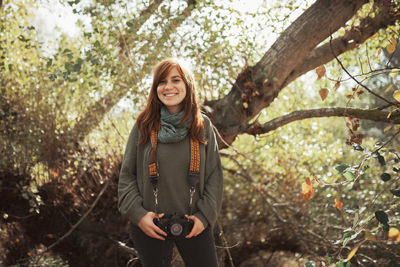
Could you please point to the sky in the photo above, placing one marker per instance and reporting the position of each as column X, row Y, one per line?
column 53, row 18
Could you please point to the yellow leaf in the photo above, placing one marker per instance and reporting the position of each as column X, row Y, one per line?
column 396, row 95
column 320, row 71
column 379, row 51
column 394, row 233
column 338, row 204
column 375, row 35
column 394, row 73
column 354, row 250
column 388, row 88
column 387, row 128
column 323, row 93
column 388, row 116
column 393, row 41
column 391, row 48
column 245, row 105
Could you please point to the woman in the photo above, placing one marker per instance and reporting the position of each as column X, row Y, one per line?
column 170, row 184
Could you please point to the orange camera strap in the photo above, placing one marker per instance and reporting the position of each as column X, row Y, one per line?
column 194, row 169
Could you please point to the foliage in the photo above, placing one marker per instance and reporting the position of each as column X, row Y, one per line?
column 326, row 187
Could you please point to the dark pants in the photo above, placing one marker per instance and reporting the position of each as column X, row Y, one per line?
column 198, row 251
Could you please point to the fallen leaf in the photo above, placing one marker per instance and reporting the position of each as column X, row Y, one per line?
column 320, row 71
column 323, row 93
column 245, row 105
column 379, row 51
column 338, row 204
column 354, row 250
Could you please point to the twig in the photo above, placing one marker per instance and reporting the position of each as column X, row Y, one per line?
column 362, row 85
column 75, row 225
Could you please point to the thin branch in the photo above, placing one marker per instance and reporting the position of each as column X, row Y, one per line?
column 367, row 114
column 75, row 225
column 358, row 82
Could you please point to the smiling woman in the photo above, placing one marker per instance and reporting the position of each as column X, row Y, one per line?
column 172, row 90
column 170, row 184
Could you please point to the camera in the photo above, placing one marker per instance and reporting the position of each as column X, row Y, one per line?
column 177, row 225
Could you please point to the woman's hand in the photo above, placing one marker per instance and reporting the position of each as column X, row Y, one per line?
column 198, row 226
column 147, row 225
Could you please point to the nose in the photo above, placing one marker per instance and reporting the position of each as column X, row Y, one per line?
column 168, row 85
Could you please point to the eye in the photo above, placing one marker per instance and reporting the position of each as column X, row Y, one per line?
column 161, row 82
column 176, row 80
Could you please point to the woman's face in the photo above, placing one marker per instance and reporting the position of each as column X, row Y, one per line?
column 171, row 91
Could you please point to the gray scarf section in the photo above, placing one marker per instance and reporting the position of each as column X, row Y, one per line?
column 171, row 132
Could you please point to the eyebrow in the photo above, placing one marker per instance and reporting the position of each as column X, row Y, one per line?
column 176, row 76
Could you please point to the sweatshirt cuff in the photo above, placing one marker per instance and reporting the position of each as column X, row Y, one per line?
column 201, row 217
column 137, row 215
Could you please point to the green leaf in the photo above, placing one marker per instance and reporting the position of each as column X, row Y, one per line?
column 309, row 264
column 339, row 263
column 395, row 192
column 52, row 77
column 366, row 167
column 385, row 227
column 342, row 167
column 129, row 23
column 349, row 175
column 329, row 258
column 385, row 177
column 381, row 216
column 381, row 160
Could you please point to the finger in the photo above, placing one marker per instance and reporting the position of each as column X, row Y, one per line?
column 194, row 232
column 158, row 230
column 155, row 235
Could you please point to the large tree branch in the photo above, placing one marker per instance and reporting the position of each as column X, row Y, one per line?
column 293, row 54
column 350, row 40
column 256, row 87
column 136, row 25
column 364, row 114
column 125, row 82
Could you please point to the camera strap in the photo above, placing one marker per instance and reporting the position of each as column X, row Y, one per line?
column 194, row 169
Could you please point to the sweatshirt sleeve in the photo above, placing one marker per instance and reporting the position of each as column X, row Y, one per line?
column 209, row 204
column 130, row 202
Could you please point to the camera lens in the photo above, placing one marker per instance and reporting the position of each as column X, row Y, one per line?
column 176, row 229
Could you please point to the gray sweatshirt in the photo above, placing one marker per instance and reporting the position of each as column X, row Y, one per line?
column 135, row 191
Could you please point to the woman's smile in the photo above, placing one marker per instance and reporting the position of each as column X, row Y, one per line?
column 172, row 91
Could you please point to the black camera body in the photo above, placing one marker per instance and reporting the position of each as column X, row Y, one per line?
column 176, row 225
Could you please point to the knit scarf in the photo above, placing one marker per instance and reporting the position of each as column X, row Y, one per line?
column 170, row 131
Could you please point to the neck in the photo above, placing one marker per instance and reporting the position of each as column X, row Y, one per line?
column 174, row 109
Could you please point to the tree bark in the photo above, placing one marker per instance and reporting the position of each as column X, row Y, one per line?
column 364, row 114
column 293, row 54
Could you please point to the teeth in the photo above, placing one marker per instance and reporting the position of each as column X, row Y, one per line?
column 170, row 94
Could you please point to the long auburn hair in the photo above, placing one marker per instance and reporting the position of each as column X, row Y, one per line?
column 149, row 118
